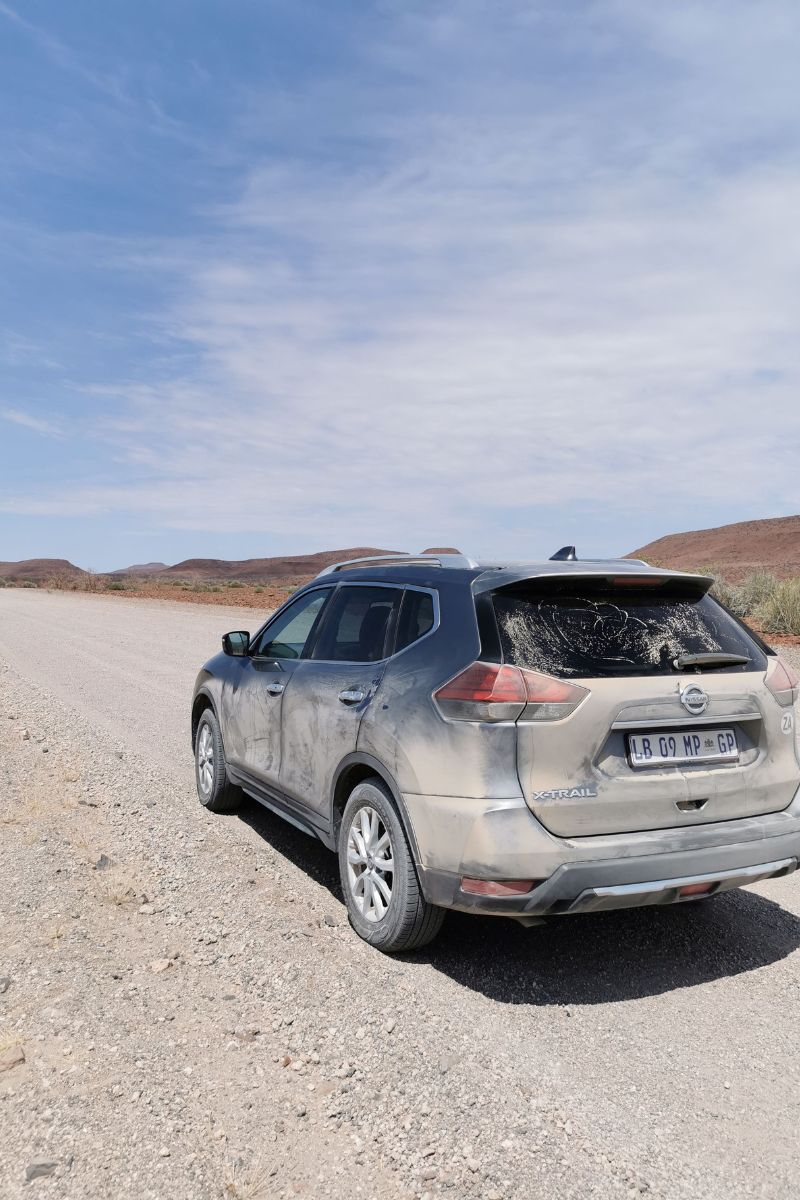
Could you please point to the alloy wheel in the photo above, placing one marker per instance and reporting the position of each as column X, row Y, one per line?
column 370, row 864
column 205, row 760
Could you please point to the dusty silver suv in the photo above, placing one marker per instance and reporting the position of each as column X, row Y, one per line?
column 523, row 740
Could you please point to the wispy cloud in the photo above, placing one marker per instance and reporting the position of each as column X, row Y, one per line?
column 38, row 424
column 509, row 275
column 111, row 85
column 60, row 53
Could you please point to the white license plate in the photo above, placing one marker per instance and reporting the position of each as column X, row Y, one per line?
column 675, row 746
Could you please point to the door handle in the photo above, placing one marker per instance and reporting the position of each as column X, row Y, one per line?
column 275, row 688
column 352, row 696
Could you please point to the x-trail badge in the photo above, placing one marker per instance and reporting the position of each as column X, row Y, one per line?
column 694, row 699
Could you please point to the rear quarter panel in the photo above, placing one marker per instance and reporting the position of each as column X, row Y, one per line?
column 405, row 731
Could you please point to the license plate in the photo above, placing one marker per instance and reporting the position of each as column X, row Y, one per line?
column 676, row 746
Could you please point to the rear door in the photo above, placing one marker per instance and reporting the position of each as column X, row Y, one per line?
column 652, row 744
column 333, row 687
column 256, row 695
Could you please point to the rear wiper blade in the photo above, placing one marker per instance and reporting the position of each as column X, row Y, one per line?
column 720, row 659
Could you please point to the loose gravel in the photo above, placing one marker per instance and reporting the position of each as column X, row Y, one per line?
column 184, row 1011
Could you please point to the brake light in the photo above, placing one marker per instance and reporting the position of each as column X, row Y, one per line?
column 483, row 692
column 639, row 581
column 782, row 682
column 488, row 683
column 493, row 692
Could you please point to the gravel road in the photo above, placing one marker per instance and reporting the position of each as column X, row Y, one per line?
column 184, row 1012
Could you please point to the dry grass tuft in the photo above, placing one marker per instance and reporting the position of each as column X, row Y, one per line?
column 55, row 936
column 119, row 891
column 248, row 1183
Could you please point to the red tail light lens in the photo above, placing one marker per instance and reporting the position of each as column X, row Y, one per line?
column 550, row 699
column 640, row 581
column 782, row 682
column 483, row 692
column 494, row 692
column 488, row 683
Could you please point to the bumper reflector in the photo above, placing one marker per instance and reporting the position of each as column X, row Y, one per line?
column 695, row 889
column 497, row 887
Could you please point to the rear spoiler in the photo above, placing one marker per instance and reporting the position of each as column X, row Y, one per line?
column 624, row 574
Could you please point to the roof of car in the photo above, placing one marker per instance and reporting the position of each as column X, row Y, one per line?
column 436, row 570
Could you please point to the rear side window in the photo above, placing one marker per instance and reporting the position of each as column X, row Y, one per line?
column 356, row 625
column 416, row 618
column 586, row 629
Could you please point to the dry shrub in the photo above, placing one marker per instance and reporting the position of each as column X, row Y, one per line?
column 772, row 603
column 248, row 1182
column 779, row 612
column 731, row 595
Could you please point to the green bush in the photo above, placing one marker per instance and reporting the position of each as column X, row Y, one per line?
column 26, row 583
column 115, row 585
column 779, row 612
column 234, row 583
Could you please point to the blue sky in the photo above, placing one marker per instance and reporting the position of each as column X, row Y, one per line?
column 284, row 276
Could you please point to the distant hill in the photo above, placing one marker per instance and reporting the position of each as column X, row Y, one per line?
column 39, row 570
column 151, row 568
column 255, row 570
column 731, row 550
column 293, row 568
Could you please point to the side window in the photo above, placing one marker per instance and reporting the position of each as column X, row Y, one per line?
column 416, row 618
column 356, row 624
column 287, row 636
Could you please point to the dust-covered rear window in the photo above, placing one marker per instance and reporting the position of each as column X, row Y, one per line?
column 588, row 628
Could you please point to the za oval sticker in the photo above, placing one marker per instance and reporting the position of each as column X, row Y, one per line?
column 787, row 722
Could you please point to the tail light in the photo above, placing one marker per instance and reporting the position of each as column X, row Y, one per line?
column 782, row 682
column 550, row 699
column 494, row 692
column 483, row 692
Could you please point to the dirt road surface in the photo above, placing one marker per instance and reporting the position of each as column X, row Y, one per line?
column 184, row 1012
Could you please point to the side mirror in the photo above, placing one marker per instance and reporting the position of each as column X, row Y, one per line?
column 236, row 644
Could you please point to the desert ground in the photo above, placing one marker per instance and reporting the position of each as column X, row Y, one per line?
column 185, row 1014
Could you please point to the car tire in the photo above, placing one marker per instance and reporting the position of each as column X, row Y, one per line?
column 386, row 907
column 214, row 789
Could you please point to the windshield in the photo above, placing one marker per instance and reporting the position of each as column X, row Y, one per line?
column 594, row 632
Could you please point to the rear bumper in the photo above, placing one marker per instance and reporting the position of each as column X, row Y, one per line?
column 674, row 891
column 595, row 873
column 602, row 885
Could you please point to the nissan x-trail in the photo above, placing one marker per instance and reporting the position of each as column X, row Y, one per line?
column 522, row 740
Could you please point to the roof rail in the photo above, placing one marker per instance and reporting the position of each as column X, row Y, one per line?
column 402, row 560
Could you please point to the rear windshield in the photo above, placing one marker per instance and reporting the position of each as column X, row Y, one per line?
column 587, row 629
